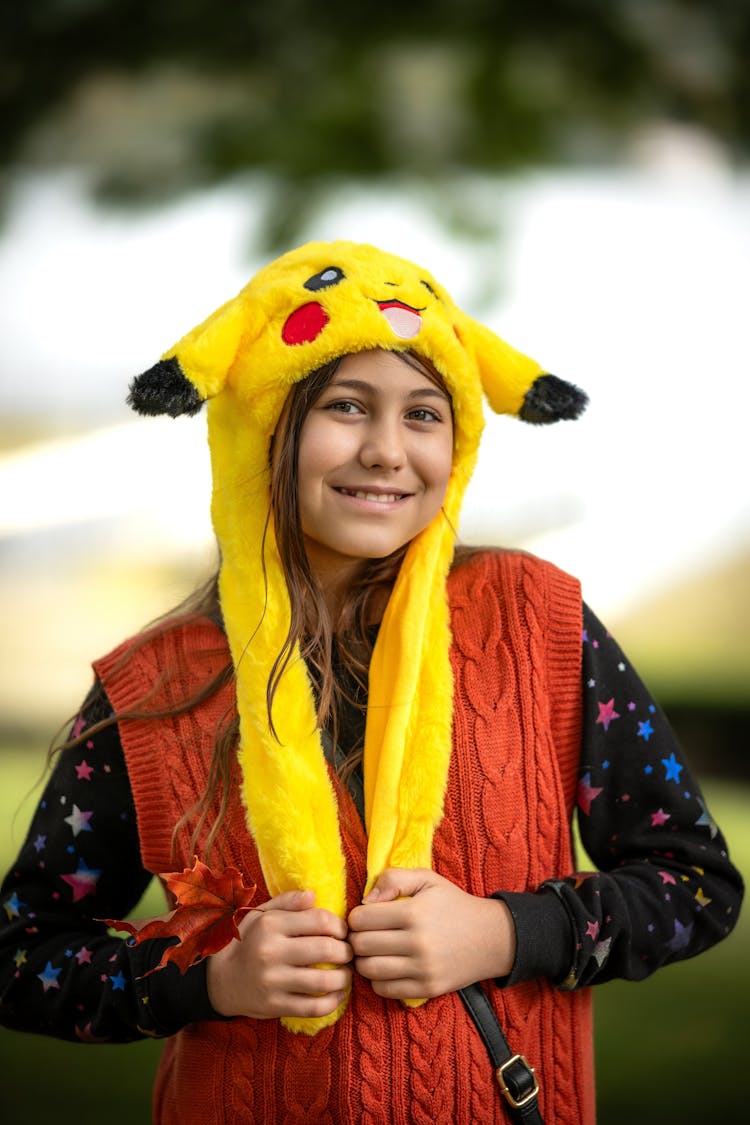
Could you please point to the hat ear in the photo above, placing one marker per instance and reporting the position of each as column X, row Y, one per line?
column 514, row 383
column 550, row 399
column 196, row 368
column 164, row 389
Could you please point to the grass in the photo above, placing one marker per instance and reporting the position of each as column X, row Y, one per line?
column 662, row 1045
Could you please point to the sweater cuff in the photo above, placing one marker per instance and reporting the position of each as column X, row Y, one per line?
column 545, row 943
column 169, row 999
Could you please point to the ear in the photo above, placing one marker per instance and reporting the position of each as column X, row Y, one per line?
column 163, row 389
column 516, row 384
column 550, row 399
column 196, row 368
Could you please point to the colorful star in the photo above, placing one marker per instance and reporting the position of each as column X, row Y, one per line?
column 701, row 899
column 645, row 730
column 673, row 768
column 659, row 817
column 79, row 727
column 592, row 929
column 118, row 982
column 705, row 820
column 79, row 821
column 83, row 956
column 49, row 977
column 667, row 877
column 20, row 958
column 40, row 843
column 601, row 951
column 12, row 906
column 83, row 881
column 84, row 771
column 607, row 713
column 586, row 793
column 682, row 935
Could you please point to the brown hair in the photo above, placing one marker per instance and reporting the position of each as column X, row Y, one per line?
column 337, row 652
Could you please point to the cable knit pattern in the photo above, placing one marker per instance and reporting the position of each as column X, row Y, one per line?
column 516, row 741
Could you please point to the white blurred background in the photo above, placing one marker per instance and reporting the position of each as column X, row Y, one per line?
column 631, row 282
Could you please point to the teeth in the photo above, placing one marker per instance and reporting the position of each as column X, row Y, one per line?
column 377, row 497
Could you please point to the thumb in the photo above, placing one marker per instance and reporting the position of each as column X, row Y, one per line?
column 400, row 882
column 290, row 900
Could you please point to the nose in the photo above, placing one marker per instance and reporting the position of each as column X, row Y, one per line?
column 383, row 445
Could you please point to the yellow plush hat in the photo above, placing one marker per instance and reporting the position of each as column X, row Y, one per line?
column 318, row 302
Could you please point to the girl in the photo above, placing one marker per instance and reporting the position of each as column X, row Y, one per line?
column 385, row 734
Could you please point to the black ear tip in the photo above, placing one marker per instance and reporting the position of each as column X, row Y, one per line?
column 550, row 399
column 164, row 389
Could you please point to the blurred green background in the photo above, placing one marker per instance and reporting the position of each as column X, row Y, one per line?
column 577, row 174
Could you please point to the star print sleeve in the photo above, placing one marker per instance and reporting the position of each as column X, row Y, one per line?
column 665, row 888
column 61, row 972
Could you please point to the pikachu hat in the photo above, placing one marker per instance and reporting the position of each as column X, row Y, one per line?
column 320, row 301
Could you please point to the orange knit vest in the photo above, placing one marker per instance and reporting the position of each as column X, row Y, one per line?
column 516, row 742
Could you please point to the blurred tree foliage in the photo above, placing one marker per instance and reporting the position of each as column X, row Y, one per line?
column 156, row 97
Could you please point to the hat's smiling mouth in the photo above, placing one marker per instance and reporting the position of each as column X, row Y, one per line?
column 404, row 320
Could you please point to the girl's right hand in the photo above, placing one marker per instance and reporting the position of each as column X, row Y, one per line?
column 270, row 971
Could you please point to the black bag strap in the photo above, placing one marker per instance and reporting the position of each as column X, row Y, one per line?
column 516, row 1079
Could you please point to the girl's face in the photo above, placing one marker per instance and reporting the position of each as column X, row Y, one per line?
column 375, row 455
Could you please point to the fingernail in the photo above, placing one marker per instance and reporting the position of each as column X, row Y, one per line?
column 372, row 896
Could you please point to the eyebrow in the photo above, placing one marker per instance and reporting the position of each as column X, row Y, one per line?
column 364, row 386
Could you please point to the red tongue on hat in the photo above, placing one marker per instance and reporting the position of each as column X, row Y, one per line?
column 403, row 319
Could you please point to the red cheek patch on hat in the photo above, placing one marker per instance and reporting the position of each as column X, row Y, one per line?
column 304, row 324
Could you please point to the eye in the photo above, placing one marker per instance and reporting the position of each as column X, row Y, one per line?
column 428, row 287
column 342, row 406
column 331, row 275
column 424, row 414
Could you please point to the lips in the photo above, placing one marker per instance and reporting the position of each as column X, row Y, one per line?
column 375, row 497
column 405, row 321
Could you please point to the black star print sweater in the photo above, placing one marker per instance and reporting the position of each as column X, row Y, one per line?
column 661, row 888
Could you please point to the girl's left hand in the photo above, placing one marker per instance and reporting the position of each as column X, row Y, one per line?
column 419, row 935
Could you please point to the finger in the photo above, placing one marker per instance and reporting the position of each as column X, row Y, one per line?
column 293, row 914
column 384, row 968
column 380, row 943
column 399, row 882
column 404, row 989
column 309, row 1006
column 316, row 982
column 290, row 900
column 314, row 922
column 381, row 916
column 318, row 950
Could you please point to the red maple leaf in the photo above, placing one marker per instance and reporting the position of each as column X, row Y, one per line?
column 209, row 906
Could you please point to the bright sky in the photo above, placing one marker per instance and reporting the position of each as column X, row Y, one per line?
column 633, row 285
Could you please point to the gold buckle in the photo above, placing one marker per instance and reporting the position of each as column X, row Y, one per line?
column 503, row 1085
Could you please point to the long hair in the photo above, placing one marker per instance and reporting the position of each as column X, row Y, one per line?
column 337, row 652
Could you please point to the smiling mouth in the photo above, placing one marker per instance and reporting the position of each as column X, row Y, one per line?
column 405, row 321
column 376, row 497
